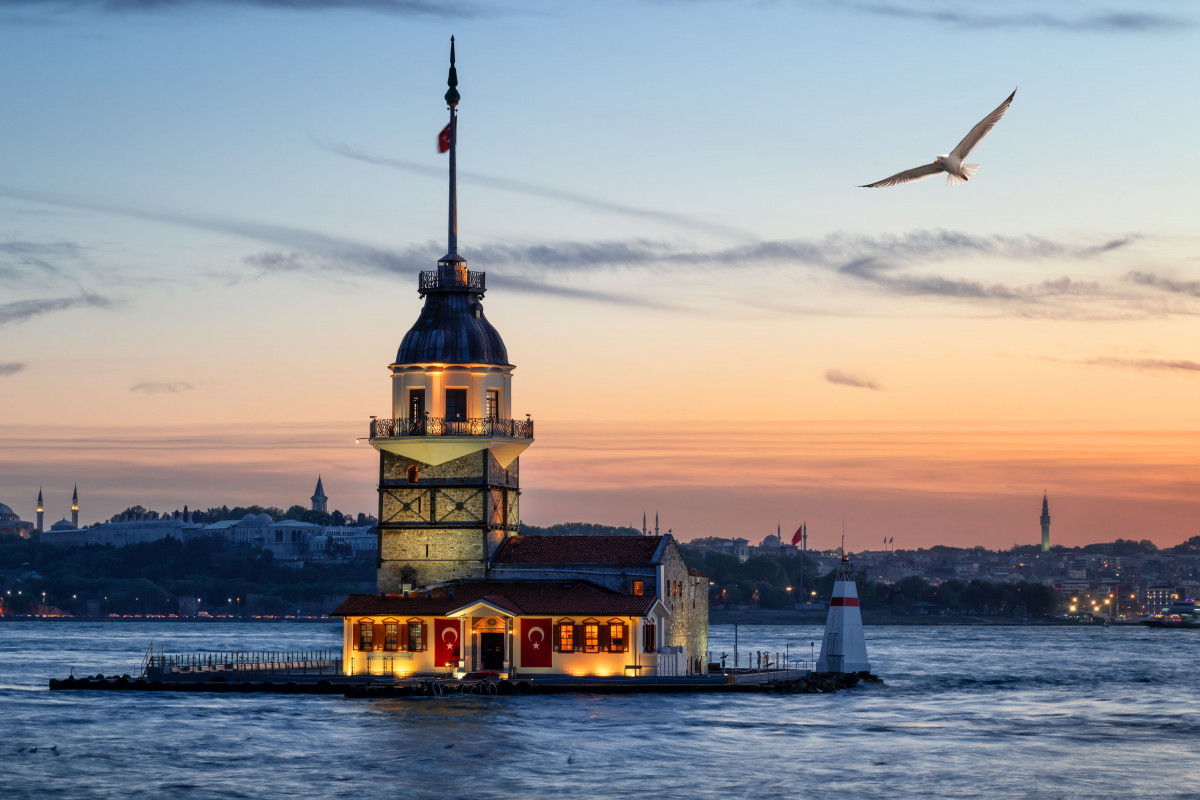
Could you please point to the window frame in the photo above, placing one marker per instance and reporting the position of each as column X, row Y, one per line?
column 416, row 636
column 391, row 635
column 564, row 641
column 366, row 635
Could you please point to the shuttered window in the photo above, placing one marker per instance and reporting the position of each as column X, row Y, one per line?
column 591, row 636
column 391, row 634
column 366, row 635
column 565, row 640
column 649, row 638
column 416, row 635
column 616, row 636
column 639, row 587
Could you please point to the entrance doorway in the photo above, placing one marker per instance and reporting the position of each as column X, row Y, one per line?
column 491, row 651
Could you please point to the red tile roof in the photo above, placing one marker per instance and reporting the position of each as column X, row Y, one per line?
column 578, row 550
column 521, row 598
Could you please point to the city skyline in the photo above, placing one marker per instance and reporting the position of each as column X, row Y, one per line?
column 212, row 218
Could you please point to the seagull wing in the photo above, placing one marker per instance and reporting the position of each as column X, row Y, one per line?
column 982, row 129
column 908, row 176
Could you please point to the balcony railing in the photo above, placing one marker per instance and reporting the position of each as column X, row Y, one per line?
column 452, row 279
column 439, row 426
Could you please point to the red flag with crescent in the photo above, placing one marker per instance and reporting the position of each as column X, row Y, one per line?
column 536, row 644
column 797, row 535
column 444, row 139
column 446, row 642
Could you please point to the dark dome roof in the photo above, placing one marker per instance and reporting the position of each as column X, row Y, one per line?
column 62, row 525
column 5, row 511
column 452, row 330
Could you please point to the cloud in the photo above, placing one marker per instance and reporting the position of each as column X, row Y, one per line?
column 10, row 368
column 167, row 387
column 22, row 260
column 22, row 310
column 846, row 379
column 535, row 190
column 1097, row 22
column 1190, row 288
column 1146, row 364
column 412, row 8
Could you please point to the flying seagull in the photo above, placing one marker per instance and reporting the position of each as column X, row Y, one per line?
column 951, row 164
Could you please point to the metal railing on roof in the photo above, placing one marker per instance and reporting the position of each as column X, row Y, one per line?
column 433, row 280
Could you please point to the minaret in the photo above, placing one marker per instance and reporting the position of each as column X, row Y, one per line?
column 75, row 507
column 41, row 510
column 319, row 500
column 449, row 449
column 1045, row 524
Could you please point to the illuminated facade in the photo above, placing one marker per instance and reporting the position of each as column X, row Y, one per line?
column 459, row 589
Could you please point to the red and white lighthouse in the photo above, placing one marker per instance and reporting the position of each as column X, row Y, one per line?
column 844, row 647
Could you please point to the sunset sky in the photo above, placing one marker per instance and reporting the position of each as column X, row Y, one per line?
column 212, row 215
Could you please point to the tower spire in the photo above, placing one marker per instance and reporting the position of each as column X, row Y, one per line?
column 452, row 98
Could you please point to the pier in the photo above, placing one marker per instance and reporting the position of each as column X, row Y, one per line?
column 320, row 672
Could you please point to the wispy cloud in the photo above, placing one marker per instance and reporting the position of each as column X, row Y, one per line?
column 960, row 15
column 22, row 310
column 163, row 387
column 410, row 8
column 1190, row 288
column 21, row 261
column 841, row 378
column 536, row 190
column 1146, row 364
column 10, row 368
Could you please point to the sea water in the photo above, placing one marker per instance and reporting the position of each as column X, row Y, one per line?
column 986, row 711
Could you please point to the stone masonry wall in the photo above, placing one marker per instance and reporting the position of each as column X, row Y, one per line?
column 686, row 597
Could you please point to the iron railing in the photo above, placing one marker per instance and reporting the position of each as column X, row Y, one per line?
column 304, row 662
column 441, row 426
column 453, row 279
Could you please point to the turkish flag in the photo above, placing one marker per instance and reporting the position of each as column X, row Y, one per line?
column 796, row 536
column 536, row 649
column 444, row 139
column 446, row 642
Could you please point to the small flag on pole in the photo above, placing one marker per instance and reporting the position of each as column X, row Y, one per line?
column 444, row 139
column 796, row 536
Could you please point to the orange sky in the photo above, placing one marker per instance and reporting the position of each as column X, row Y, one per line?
column 962, row 485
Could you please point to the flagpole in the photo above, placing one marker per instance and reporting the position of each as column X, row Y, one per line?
column 452, row 98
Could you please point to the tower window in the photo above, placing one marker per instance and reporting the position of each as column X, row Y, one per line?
column 416, row 404
column 456, row 404
column 493, row 404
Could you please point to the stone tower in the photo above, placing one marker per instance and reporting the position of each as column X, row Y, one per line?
column 75, row 508
column 1045, row 524
column 41, row 511
column 448, row 451
column 319, row 501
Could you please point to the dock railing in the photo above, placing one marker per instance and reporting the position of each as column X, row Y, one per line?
column 286, row 662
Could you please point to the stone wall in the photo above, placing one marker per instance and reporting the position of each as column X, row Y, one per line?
column 686, row 596
column 442, row 527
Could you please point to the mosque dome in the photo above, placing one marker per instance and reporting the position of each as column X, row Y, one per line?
column 6, row 513
column 452, row 330
column 265, row 519
column 62, row 525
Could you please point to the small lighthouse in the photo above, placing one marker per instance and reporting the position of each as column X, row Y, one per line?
column 844, row 647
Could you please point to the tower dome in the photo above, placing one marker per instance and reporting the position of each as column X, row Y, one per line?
column 451, row 328
column 6, row 513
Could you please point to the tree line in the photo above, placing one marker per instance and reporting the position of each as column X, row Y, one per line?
column 780, row 582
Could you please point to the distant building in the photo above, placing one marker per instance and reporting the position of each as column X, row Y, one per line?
column 10, row 522
column 1045, row 524
column 319, row 501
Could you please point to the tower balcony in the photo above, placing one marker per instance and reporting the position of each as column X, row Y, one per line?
column 436, row 440
column 487, row 427
column 451, row 278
